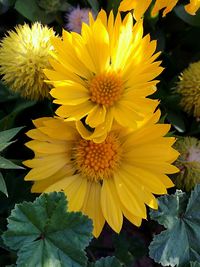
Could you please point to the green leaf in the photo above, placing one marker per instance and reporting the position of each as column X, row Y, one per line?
column 129, row 248
column 7, row 2
column 195, row 264
column 106, row 262
column 7, row 164
column 176, row 119
column 20, row 107
column 94, row 5
column 113, row 5
column 182, row 14
column 180, row 243
column 46, row 235
column 3, row 187
column 30, row 10
column 6, row 136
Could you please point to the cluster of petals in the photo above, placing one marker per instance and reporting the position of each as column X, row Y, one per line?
column 132, row 166
column 99, row 77
column 105, row 149
column 140, row 7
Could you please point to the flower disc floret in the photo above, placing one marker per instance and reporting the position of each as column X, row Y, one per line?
column 106, row 89
column 97, row 161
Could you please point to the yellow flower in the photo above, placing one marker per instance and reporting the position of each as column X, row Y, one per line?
column 140, row 7
column 188, row 162
column 189, row 89
column 24, row 53
column 105, row 74
column 106, row 180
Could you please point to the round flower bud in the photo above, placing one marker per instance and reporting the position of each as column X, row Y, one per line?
column 24, row 53
column 188, row 162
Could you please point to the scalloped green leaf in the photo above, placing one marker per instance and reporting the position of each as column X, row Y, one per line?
column 180, row 242
column 106, row 262
column 45, row 235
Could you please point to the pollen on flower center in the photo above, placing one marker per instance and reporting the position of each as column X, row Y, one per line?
column 97, row 161
column 106, row 88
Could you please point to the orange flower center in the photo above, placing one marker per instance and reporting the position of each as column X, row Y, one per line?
column 106, row 88
column 97, row 161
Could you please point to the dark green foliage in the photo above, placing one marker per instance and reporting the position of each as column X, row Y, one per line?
column 180, row 243
column 106, row 262
column 5, row 141
column 45, row 235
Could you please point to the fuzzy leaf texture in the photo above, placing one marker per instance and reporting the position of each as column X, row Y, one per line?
column 179, row 244
column 46, row 235
column 106, row 262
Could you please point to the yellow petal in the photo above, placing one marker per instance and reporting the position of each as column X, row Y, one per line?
column 45, row 147
column 75, row 189
column 76, row 112
column 45, row 167
column 41, row 185
column 96, row 116
column 128, row 198
column 110, row 204
column 144, row 177
column 132, row 218
column 70, row 94
column 92, row 207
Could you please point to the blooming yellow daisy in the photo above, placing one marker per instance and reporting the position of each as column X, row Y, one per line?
column 189, row 89
column 105, row 74
column 140, row 7
column 24, row 53
column 103, row 180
